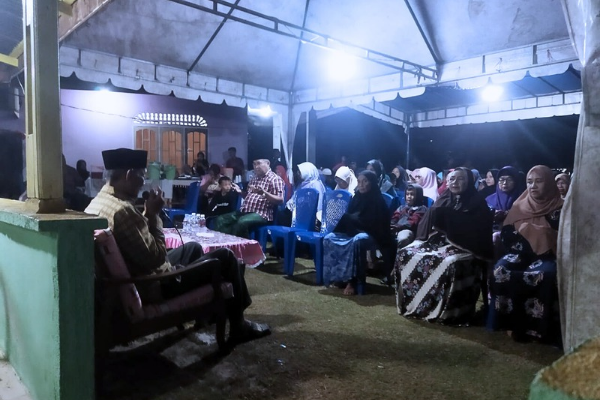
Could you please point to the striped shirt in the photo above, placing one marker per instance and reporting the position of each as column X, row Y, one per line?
column 259, row 204
column 143, row 248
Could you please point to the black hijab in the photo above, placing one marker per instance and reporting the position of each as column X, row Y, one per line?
column 489, row 190
column 368, row 213
column 465, row 219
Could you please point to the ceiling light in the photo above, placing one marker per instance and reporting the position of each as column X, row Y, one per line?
column 264, row 112
column 341, row 67
column 491, row 93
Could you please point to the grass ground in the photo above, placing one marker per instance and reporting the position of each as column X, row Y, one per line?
column 328, row 346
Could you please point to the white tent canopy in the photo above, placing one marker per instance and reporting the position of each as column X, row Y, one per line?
column 281, row 54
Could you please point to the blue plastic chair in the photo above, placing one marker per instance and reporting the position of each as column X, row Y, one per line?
column 303, row 219
column 335, row 205
column 388, row 199
column 191, row 202
column 260, row 234
column 391, row 202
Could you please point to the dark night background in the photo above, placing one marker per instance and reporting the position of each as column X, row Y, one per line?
column 524, row 143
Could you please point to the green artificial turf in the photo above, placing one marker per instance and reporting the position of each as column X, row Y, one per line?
column 325, row 345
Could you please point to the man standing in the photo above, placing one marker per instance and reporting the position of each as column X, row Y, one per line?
column 265, row 190
column 142, row 243
column 235, row 162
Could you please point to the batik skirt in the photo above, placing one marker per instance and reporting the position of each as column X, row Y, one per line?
column 436, row 281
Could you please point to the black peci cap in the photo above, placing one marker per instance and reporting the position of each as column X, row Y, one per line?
column 124, row 159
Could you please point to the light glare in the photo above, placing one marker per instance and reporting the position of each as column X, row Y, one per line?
column 491, row 93
column 342, row 67
column 264, row 112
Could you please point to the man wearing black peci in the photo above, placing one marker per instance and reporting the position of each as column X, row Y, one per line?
column 142, row 242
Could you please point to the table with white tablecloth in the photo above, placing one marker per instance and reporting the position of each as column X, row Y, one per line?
column 247, row 250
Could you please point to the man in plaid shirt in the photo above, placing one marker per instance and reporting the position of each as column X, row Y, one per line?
column 141, row 241
column 265, row 191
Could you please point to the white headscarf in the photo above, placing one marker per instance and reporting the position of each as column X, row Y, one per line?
column 346, row 174
column 309, row 172
column 310, row 179
column 428, row 182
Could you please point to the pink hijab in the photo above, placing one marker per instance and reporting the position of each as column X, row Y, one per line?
column 425, row 177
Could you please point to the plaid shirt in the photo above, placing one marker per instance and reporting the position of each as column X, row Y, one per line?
column 143, row 248
column 256, row 203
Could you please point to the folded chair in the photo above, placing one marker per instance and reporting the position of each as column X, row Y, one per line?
column 303, row 219
column 335, row 205
column 122, row 316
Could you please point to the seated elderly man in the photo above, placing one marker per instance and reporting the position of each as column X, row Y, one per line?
column 142, row 242
column 264, row 191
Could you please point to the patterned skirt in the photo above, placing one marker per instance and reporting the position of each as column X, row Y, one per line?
column 525, row 297
column 436, row 281
column 344, row 257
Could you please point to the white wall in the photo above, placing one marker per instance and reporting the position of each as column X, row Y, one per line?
column 93, row 121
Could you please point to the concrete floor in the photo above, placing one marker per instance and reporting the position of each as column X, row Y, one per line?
column 11, row 387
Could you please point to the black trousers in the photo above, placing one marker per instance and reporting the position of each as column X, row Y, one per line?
column 230, row 270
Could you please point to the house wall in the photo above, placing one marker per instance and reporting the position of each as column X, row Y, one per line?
column 93, row 121
column 46, row 300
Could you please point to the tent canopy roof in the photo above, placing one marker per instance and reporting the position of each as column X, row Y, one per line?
column 245, row 47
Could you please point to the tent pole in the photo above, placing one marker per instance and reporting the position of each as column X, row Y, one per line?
column 407, row 130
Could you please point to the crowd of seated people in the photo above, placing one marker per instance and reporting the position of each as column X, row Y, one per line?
column 524, row 282
column 500, row 228
column 453, row 233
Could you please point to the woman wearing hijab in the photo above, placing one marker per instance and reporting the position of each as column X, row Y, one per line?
column 524, row 286
column 507, row 192
column 306, row 176
column 563, row 181
column 427, row 179
column 345, row 179
column 491, row 182
column 282, row 173
column 364, row 226
column 436, row 278
column 383, row 182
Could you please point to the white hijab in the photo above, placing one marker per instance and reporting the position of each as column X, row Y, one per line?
column 346, row 174
column 310, row 179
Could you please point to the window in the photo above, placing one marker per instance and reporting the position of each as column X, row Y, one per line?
column 171, row 138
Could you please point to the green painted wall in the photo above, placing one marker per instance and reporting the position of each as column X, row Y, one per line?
column 46, row 300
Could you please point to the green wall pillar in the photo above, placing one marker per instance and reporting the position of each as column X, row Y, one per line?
column 47, row 300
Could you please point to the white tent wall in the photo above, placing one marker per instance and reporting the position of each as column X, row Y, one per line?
column 578, row 247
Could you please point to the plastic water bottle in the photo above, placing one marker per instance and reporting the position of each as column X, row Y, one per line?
column 202, row 223
column 187, row 223
column 194, row 223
